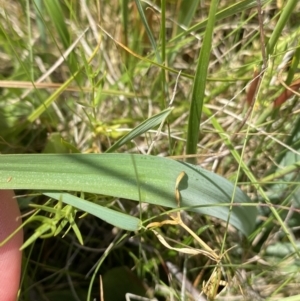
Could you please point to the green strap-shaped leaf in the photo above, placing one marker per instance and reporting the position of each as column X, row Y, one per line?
column 142, row 128
column 137, row 177
column 199, row 84
column 113, row 217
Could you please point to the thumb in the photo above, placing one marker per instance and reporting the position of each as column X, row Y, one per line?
column 10, row 256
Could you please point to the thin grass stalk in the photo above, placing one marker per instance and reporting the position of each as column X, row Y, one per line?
column 30, row 38
column 116, row 242
column 163, row 51
column 252, row 178
column 125, row 22
column 164, row 74
column 274, row 173
column 41, row 109
column 163, row 31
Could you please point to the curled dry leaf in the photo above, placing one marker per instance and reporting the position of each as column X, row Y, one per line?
column 190, row 251
column 286, row 94
column 211, row 287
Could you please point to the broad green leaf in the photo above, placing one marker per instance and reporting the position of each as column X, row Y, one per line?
column 137, row 177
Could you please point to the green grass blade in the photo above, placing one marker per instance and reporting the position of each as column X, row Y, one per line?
column 38, row 7
column 200, row 83
column 187, row 12
column 148, row 29
column 251, row 177
column 284, row 17
column 141, row 129
column 294, row 66
column 41, row 109
column 55, row 12
column 113, row 217
column 136, row 177
column 224, row 13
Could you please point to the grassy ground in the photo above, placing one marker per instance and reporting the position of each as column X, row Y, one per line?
column 76, row 76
